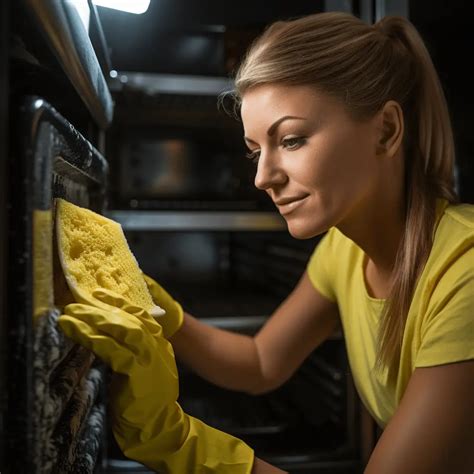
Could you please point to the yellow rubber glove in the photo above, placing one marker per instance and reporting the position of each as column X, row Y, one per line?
column 147, row 422
column 172, row 320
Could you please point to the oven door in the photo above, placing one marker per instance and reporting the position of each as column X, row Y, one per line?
column 56, row 409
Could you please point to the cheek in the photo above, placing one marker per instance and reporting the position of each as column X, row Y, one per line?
column 347, row 166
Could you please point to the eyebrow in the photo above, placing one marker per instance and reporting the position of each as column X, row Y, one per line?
column 274, row 126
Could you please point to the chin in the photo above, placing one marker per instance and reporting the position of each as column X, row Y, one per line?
column 300, row 231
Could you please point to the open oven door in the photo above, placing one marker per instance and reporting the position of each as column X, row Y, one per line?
column 56, row 408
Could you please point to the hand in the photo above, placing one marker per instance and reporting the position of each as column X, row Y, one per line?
column 172, row 320
column 148, row 423
column 130, row 341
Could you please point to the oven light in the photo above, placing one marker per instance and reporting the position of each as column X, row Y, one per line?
column 131, row 6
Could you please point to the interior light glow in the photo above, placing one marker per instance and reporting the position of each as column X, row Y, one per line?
column 83, row 10
column 130, row 6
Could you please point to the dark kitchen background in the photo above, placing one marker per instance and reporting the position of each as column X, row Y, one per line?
column 121, row 113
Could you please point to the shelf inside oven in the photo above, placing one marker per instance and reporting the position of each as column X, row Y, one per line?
column 307, row 422
column 249, row 416
column 143, row 220
column 223, row 274
column 224, row 300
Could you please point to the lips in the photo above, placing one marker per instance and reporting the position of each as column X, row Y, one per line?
column 289, row 204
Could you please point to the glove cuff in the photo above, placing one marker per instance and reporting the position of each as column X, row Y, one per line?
column 189, row 445
column 176, row 323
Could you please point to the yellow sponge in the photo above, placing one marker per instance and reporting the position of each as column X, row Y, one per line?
column 94, row 253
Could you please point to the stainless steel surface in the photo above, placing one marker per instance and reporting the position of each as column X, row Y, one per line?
column 187, row 221
column 366, row 10
column 69, row 41
column 175, row 167
column 391, row 7
column 167, row 168
column 172, row 83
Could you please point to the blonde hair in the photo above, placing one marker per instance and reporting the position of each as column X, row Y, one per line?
column 365, row 66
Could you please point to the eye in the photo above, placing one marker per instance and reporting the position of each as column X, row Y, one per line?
column 293, row 143
column 253, row 155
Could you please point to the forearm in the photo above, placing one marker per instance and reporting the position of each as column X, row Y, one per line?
column 224, row 358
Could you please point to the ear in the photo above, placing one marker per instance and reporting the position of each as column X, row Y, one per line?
column 390, row 129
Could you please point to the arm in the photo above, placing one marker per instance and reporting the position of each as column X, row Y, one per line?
column 299, row 325
column 432, row 432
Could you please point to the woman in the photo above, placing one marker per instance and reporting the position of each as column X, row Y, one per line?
column 350, row 132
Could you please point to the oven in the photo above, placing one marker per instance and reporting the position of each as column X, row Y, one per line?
column 175, row 179
column 53, row 392
column 150, row 148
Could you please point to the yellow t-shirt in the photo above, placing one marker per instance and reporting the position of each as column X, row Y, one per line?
column 440, row 324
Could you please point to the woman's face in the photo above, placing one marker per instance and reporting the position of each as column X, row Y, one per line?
column 316, row 163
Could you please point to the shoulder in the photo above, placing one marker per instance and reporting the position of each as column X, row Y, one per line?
column 445, row 293
column 450, row 266
column 462, row 215
column 453, row 241
column 456, row 225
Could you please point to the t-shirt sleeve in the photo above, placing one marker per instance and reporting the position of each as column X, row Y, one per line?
column 319, row 266
column 448, row 330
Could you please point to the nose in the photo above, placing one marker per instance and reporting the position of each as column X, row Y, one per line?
column 269, row 172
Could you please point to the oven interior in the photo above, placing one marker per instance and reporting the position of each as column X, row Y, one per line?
column 183, row 191
column 235, row 280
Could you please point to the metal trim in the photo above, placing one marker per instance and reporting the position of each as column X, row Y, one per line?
column 69, row 41
column 189, row 221
column 391, row 7
column 172, row 83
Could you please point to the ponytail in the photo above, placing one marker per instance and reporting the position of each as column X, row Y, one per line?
column 429, row 175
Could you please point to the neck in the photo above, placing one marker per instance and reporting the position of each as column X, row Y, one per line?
column 377, row 226
column 378, row 234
